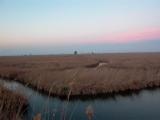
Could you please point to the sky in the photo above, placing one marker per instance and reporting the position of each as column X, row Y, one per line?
column 62, row 26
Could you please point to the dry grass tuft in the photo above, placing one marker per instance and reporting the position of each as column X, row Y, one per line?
column 12, row 105
column 89, row 112
column 37, row 117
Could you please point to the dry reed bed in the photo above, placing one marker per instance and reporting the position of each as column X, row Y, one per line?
column 12, row 105
column 81, row 75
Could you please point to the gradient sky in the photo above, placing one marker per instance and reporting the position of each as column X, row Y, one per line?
column 61, row 26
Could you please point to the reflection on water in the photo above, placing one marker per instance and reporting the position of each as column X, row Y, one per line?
column 142, row 106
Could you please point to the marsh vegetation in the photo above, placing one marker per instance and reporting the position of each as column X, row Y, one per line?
column 84, row 74
column 69, row 76
column 12, row 105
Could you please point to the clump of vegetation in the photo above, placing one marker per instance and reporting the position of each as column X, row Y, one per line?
column 37, row 117
column 65, row 90
column 89, row 112
column 12, row 105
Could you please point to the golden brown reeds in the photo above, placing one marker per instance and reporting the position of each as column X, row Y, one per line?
column 54, row 74
column 12, row 105
column 89, row 112
column 37, row 117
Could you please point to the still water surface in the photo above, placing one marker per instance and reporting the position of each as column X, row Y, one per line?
column 142, row 106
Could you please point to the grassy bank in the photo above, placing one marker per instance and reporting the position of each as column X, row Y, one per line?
column 84, row 74
column 12, row 105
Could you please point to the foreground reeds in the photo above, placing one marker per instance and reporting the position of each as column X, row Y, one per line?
column 99, row 73
column 12, row 105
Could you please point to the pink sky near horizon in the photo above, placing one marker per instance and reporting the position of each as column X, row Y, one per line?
column 112, row 37
column 120, row 37
column 133, row 36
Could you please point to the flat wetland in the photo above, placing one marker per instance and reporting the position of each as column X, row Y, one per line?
column 84, row 75
column 88, row 74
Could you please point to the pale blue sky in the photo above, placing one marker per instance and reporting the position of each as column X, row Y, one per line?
column 60, row 25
